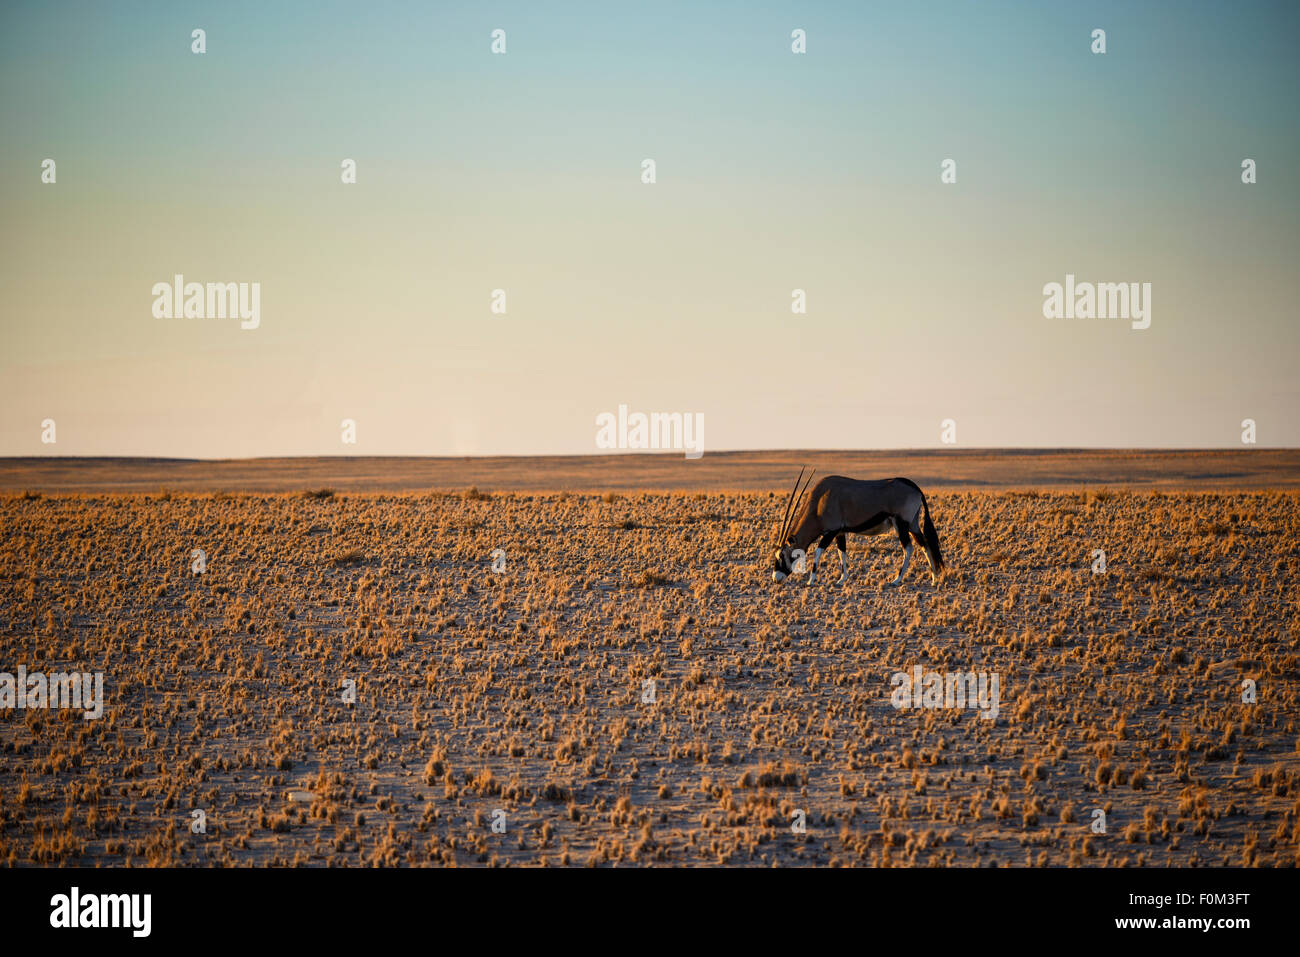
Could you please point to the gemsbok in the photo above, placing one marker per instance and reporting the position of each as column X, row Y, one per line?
column 838, row 506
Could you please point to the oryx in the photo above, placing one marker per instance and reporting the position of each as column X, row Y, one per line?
column 840, row 505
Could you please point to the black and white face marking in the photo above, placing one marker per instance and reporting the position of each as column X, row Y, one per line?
column 781, row 566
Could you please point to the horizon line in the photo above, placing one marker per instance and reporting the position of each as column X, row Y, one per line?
column 659, row 453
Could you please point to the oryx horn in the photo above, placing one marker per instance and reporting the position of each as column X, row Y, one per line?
column 790, row 509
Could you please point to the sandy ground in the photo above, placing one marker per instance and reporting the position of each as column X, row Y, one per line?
column 723, row 471
column 525, row 691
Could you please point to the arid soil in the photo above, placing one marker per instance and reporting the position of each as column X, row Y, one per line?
column 525, row 690
column 947, row 468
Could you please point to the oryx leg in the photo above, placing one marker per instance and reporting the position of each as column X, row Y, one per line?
column 842, row 545
column 907, row 550
column 817, row 555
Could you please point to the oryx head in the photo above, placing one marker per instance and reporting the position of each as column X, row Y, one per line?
column 783, row 562
column 784, row 559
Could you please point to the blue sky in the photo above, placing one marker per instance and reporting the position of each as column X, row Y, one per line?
column 775, row 171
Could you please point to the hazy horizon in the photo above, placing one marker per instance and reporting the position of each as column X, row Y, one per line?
column 970, row 449
column 775, row 171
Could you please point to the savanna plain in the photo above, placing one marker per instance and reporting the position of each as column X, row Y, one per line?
column 610, row 676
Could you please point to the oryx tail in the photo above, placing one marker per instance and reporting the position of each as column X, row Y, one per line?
column 931, row 536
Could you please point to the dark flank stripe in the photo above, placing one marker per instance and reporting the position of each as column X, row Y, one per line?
column 872, row 522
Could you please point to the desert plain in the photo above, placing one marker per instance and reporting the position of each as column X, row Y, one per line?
column 585, row 662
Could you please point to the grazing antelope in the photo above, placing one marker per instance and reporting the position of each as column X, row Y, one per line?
column 840, row 505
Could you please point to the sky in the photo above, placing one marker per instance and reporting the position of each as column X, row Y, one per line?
column 523, row 172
